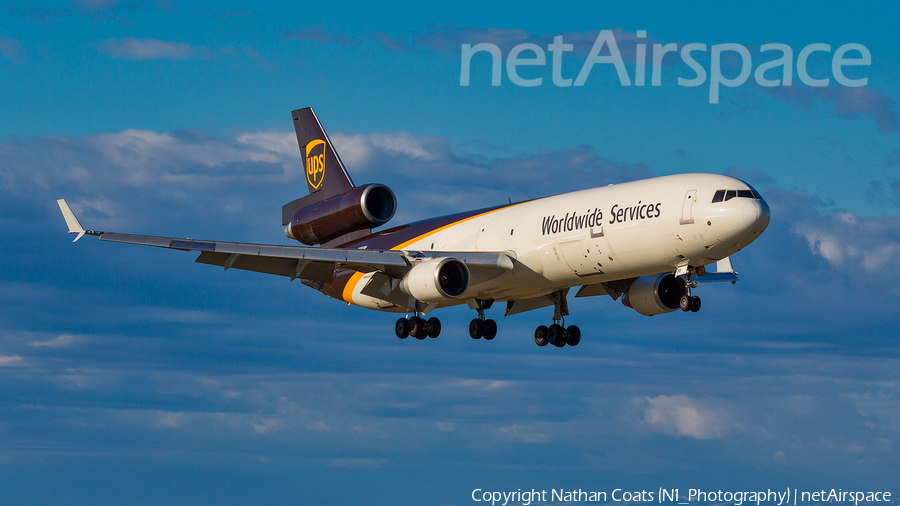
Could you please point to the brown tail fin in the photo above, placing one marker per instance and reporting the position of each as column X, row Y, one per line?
column 326, row 176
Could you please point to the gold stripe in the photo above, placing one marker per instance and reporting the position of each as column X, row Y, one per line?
column 347, row 295
column 432, row 232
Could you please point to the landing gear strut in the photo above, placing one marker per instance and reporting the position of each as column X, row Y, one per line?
column 558, row 334
column 689, row 302
column 481, row 327
column 417, row 326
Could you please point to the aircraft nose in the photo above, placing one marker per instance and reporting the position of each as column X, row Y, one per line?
column 756, row 215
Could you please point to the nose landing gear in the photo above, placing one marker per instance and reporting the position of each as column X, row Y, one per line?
column 689, row 302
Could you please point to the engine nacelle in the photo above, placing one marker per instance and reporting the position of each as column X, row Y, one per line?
column 436, row 279
column 651, row 295
column 363, row 207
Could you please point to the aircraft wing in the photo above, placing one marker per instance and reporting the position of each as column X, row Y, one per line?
column 724, row 272
column 312, row 263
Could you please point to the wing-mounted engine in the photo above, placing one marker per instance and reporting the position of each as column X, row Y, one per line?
column 361, row 208
column 436, row 279
column 652, row 295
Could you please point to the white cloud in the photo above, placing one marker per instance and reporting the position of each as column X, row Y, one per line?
column 94, row 378
column 402, row 143
column 682, row 416
column 522, row 433
column 481, row 385
column 359, row 150
column 146, row 49
column 170, row 419
column 281, row 143
column 849, row 103
column 880, row 407
column 155, row 49
column 143, row 148
column 105, row 175
column 10, row 360
column 60, row 341
column 848, row 238
column 267, row 425
column 355, row 150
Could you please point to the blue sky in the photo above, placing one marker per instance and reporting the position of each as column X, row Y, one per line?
column 134, row 376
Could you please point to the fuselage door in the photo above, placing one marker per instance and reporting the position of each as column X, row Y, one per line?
column 687, row 208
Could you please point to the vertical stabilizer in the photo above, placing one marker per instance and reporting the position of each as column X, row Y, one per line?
column 325, row 173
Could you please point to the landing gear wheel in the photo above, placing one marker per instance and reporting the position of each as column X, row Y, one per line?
column 572, row 335
column 540, row 336
column 490, row 329
column 555, row 335
column 685, row 303
column 695, row 303
column 401, row 328
column 417, row 328
column 476, row 328
column 434, row 327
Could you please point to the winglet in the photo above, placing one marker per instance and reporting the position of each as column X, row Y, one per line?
column 71, row 220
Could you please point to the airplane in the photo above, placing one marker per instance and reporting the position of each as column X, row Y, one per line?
column 648, row 242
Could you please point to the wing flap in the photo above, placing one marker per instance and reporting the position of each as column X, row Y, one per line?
column 524, row 305
column 315, row 264
column 288, row 267
column 361, row 260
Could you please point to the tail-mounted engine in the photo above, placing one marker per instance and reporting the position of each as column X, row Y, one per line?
column 362, row 207
column 652, row 295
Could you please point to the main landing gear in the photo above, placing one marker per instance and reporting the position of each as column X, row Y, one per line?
column 557, row 334
column 479, row 327
column 417, row 327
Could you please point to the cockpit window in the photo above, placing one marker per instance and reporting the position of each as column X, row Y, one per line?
column 726, row 195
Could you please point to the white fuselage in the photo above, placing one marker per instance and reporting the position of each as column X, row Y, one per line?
column 600, row 235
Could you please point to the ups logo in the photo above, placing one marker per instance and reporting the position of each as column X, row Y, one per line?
column 315, row 163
